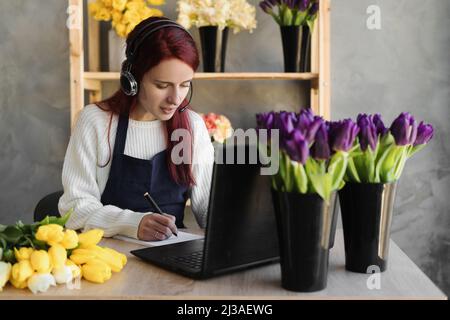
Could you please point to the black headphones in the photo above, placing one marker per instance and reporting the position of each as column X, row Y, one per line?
column 128, row 82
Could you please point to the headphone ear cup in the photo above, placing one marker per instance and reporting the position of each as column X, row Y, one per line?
column 128, row 83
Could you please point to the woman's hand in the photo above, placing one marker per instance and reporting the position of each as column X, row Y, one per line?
column 156, row 227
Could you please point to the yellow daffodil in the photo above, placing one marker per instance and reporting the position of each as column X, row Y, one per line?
column 58, row 256
column 76, row 271
column 121, row 30
column 119, row 4
column 90, row 238
column 81, row 256
column 107, row 3
column 156, row 2
column 23, row 253
column 93, row 8
column 40, row 282
column 70, row 239
column 135, row 5
column 50, row 233
column 116, row 16
column 103, row 14
column 96, row 271
column 40, row 261
column 5, row 273
column 21, row 271
column 156, row 12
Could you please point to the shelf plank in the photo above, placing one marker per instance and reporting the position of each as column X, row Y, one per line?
column 108, row 76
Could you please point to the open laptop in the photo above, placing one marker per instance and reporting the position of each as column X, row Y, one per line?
column 241, row 229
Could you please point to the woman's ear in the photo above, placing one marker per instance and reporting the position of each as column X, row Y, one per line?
column 190, row 98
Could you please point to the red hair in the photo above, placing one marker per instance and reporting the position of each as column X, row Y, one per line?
column 164, row 44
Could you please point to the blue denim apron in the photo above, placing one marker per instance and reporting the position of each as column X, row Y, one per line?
column 130, row 178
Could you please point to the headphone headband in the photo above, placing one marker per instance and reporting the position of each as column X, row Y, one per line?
column 146, row 32
column 128, row 83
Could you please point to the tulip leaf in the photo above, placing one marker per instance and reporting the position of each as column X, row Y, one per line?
column 401, row 162
column 2, row 227
column 360, row 167
column 287, row 17
column 320, row 180
column 310, row 24
column 12, row 234
column 45, row 221
column 8, row 256
column 380, row 162
column 299, row 18
column 352, row 173
column 56, row 220
column 385, row 142
column 301, row 180
column 388, row 166
column 414, row 149
column 337, row 168
column 2, row 243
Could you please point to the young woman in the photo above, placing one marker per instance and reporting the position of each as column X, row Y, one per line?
column 122, row 147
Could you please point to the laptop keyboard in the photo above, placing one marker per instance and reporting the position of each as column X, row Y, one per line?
column 192, row 260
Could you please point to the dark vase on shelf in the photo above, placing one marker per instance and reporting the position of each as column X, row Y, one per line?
column 296, row 48
column 214, row 46
column 305, row 50
column 367, row 210
column 304, row 224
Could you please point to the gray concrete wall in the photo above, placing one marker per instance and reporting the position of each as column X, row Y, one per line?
column 34, row 103
column 402, row 67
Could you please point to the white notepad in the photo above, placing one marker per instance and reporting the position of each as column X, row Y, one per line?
column 182, row 237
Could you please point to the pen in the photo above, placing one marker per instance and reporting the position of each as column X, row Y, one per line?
column 150, row 199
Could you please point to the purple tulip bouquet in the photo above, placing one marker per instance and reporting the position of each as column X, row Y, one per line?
column 291, row 12
column 314, row 153
column 379, row 154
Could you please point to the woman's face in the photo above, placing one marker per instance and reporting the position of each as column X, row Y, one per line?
column 163, row 88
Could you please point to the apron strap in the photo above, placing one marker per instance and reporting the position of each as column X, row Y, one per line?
column 121, row 134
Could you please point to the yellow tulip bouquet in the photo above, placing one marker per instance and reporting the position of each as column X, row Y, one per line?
column 124, row 14
column 44, row 254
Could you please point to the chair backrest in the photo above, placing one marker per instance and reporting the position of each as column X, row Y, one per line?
column 47, row 206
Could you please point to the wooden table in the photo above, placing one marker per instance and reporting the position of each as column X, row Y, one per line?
column 140, row 280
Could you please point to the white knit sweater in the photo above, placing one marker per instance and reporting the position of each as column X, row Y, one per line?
column 84, row 181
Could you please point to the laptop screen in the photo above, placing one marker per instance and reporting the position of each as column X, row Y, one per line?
column 241, row 228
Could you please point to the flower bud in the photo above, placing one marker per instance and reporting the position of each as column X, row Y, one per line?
column 70, row 239
column 62, row 274
column 58, row 255
column 40, row 282
column 76, row 271
column 17, row 284
column 82, row 256
column 96, row 271
column 90, row 238
column 50, row 233
column 21, row 271
column 40, row 261
column 113, row 260
column 5, row 273
column 23, row 253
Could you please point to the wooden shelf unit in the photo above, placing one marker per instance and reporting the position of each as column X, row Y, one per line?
column 91, row 80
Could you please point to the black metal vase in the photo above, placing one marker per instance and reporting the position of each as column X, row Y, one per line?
column 304, row 223
column 367, row 210
column 296, row 48
column 214, row 47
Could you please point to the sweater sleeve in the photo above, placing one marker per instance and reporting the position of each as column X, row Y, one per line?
column 81, row 190
column 202, row 167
